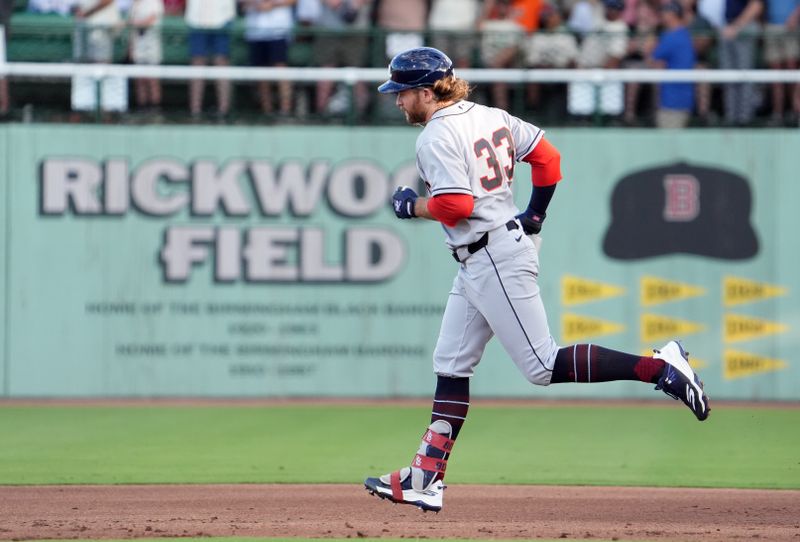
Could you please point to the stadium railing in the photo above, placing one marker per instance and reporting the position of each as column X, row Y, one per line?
column 43, row 81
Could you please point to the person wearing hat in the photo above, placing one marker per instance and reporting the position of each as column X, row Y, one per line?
column 674, row 51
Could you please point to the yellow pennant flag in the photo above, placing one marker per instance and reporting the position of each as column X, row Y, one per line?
column 654, row 291
column 576, row 328
column 575, row 290
column 736, row 291
column 654, row 328
column 744, row 328
column 741, row 364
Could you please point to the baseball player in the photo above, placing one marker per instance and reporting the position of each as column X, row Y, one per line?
column 466, row 155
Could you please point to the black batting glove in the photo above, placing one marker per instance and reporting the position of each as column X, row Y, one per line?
column 531, row 221
column 403, row 200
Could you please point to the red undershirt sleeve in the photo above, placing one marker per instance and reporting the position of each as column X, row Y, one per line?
column 545, row 161
column 450, row 208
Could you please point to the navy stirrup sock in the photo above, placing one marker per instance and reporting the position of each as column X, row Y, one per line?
column 592, row 363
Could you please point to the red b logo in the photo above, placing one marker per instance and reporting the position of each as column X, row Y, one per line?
column 682, row 198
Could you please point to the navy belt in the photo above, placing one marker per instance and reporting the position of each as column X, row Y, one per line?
column 463, row 252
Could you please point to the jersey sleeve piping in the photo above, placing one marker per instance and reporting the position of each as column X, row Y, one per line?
column 525, row 152
column 451, row 190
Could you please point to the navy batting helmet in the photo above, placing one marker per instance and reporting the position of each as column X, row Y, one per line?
column 420, row 67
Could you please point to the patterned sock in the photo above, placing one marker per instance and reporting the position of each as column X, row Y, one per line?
column 592, row 363
column 450, row 403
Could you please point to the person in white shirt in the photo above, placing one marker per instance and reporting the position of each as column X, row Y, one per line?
column 62, row 7
column 144, row 18
column 209, row 24
column 96, row 22
column 268, row 27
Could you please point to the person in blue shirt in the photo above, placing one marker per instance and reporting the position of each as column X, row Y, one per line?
column 674, row 51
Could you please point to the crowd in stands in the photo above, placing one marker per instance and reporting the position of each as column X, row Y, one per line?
column 534, row 34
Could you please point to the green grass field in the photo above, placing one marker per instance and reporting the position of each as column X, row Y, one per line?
column 585, row 445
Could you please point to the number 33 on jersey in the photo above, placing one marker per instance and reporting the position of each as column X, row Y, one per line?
column 468, row 148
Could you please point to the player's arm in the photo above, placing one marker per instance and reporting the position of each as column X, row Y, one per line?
column 545, row 161
column 444, row 170
column 448, row 208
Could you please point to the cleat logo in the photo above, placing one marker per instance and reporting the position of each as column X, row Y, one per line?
column 417, row 461
column 428, row 437
column 690, row 396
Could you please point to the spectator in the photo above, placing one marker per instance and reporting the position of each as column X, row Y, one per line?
column 604, row 48
column 642, row 40
column 712, row 11
column 453, row 24
column 527, row 13
column 342, row 42
column 501, row 39
column 144, row 19
column 631, row 12
column 404, row 21
column 307, row 11
column 124, row 6
column 209, row 23
column 553, row 46
column 61, row 7
column 705, row 19
column 586, row 16
column 268, row 27
column 174, row 7
column 674, row 51
column 738, row 52
column 96, row 25
column 6, row 7
column 782, row 52
column 403, row 24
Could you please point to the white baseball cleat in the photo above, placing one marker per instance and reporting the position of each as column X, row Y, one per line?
column 679, row 380
column 397, row 488
column 420, row 484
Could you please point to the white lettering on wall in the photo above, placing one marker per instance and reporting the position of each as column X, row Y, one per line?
column 165, row 187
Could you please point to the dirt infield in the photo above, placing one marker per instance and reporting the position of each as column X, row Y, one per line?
column 345, row 511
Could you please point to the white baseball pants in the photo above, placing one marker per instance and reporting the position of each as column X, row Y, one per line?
column 496, row 293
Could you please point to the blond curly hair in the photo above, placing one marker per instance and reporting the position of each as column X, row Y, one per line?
column 451, row 89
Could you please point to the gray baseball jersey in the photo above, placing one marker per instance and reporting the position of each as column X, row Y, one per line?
column 468, row 148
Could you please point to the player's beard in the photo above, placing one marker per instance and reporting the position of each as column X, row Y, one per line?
column 415, row 113
column 414, row 117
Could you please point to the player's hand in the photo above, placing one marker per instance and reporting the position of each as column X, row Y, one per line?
column 531, row 221
column 404, row 199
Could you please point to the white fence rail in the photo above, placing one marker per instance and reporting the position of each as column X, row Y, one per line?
column 353, row 75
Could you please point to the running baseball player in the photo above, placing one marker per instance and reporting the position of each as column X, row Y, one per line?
column 466, row 155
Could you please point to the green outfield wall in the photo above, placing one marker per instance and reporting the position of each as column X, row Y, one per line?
column 240, row 261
